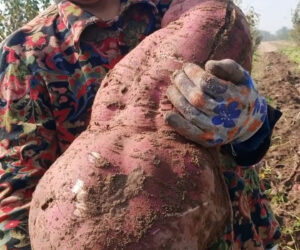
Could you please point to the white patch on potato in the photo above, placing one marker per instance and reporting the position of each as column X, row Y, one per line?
column 93, row 157
column 80, row 198
column 78, row 186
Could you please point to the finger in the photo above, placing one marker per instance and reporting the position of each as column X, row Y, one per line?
column 193, row 94
column 186, row 129
column 209, row 83
column 213, row 87
column 195, row 73
column 190, row 113
column 226, row 69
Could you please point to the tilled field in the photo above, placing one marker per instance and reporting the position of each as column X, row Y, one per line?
column 279, row 80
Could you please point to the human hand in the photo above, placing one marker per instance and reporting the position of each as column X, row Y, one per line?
column 217, row 105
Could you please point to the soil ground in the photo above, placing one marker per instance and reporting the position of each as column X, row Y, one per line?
column 279, row 80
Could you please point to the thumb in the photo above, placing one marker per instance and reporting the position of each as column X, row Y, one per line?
column 227, row 70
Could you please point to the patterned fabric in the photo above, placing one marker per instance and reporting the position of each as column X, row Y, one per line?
column 14, row 232
column 50, row 71
column 254, row 225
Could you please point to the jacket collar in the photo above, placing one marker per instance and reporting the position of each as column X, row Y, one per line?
column 77, row 19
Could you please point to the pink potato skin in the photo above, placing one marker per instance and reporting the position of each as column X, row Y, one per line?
column 129, row 181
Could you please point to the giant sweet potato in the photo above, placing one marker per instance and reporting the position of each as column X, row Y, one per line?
column 129, row 181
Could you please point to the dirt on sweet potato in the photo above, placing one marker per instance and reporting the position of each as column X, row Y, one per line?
column 129, row 181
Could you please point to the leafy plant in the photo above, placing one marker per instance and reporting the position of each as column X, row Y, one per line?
column 270, row 101
column 279, row 198
column 16, row 13
column 293, row 52
column 253, row 21
column 295, row 34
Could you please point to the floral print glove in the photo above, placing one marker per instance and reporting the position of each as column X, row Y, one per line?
column 217, row 106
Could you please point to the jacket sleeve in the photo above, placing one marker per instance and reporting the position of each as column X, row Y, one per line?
column 28, row 144
column 163, row 6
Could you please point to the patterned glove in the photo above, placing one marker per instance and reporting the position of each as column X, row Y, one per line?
column 218, row 105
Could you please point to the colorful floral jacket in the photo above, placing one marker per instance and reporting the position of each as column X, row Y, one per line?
column 50, row 71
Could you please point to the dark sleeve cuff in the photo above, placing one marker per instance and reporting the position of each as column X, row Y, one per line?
column 253, row 150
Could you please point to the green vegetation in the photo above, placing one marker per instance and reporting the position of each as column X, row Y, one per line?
column 16, row 13
column 291, row 232
column 295, row 33
column 253, row 20
column 270, row 101
column 256, row 57
column 293, row 52
column 282, row 34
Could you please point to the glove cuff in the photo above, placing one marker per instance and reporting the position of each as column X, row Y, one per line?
column 253, row 150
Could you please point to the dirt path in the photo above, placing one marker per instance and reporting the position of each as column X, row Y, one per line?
column 279, row 80
column 271, row 46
